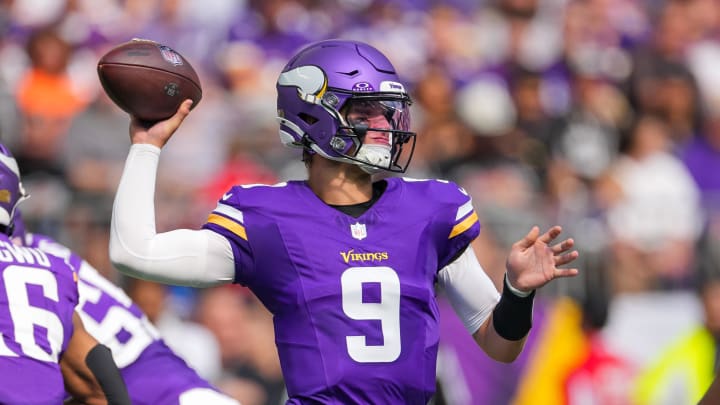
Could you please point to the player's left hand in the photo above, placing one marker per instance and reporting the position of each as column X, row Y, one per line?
column 533, row 262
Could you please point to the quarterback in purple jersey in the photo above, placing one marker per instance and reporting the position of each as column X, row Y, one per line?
column 153, row 373
column 44, row 347
column 346, row 263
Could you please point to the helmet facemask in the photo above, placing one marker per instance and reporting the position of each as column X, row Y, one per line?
column 378, row 126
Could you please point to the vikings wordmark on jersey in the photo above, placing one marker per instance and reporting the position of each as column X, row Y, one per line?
column 325, row 274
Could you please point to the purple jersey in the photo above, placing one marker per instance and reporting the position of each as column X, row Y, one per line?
column 355, row 315
column 153, row 374
column 38, row 294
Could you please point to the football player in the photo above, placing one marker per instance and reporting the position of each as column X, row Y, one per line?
column 346, row 263
column 153, row 373
column 44, row 348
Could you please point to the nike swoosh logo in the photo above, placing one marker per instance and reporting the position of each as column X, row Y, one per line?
column 226, row 196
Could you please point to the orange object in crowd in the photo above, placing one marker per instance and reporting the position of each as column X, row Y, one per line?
column 43, row 94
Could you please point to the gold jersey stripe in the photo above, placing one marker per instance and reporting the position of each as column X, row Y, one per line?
column 464, row 225
column 228, row 224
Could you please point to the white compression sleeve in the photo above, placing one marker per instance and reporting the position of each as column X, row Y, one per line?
column 469, row 290
column 198, row 258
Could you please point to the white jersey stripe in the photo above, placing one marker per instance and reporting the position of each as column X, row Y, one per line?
column 229, row 211
column 464, row 210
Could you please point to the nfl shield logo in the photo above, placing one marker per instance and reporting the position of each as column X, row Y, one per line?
column 170, row 55
column 358, row 231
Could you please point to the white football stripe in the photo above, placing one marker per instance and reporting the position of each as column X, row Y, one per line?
column 464, row 210
column 229, row 211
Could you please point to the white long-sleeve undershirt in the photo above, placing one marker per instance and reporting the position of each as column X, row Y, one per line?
column 198, row 258
column 470, row 291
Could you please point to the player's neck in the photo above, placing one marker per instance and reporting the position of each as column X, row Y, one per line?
column 339, row 183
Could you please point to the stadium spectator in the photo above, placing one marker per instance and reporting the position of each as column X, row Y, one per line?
column 682, row 372
column 48, row 101
column 655, row 217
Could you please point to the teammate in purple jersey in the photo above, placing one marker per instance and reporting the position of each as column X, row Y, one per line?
column 346, row 263
column 153, row 373
column 44, row 347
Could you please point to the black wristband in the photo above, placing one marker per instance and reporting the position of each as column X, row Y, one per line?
column 99, row 360
column 512, row 316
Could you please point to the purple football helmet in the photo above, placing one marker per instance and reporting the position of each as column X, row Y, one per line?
column 11, row 189
column 327, row 79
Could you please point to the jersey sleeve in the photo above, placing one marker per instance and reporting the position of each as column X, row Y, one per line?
column 228, row 220
column 457, row 222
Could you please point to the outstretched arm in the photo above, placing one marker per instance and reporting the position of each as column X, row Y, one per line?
column 532, row 263
column 500, row 323
column 198, row 258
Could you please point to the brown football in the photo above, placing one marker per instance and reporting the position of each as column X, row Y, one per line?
column 148, row 80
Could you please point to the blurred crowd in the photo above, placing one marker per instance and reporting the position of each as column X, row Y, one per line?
column 600, row 115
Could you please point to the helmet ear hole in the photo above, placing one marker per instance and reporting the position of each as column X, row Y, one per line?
column 307, row 118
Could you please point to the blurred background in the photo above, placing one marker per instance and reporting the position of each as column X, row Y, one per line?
column 600, row 115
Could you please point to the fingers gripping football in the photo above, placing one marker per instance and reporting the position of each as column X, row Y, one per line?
column 159, row 133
